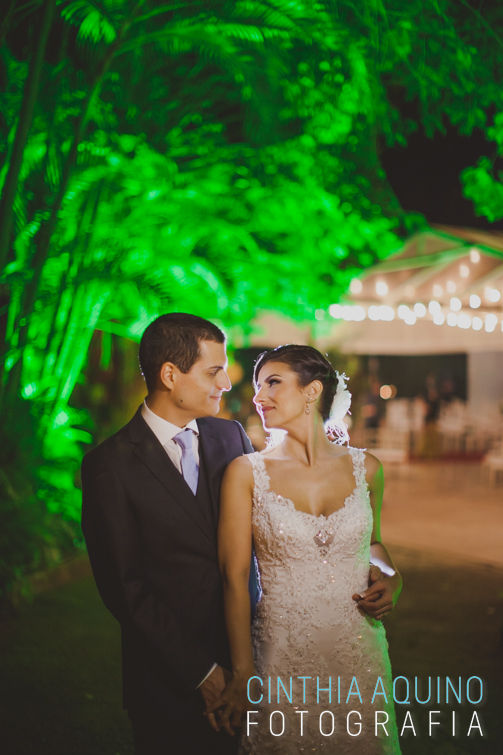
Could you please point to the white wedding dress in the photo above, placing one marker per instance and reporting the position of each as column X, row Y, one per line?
column 307, row 625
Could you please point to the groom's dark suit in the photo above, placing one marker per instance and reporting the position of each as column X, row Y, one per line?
column 153, row 549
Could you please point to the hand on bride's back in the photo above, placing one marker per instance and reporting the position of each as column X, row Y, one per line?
column 381, row 595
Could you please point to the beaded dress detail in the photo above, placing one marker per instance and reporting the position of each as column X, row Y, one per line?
column 307, row 625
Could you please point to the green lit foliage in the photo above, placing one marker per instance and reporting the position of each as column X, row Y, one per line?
column 216, row 157
column 31, row 537
column 483, row 183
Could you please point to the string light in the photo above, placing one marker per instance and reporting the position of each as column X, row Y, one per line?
column 455, row 304
column 475, row 301
column 419, row 309
column 490, row 322
column 450, row 287
column 383, row 312
column 464, row 271
column 356, row 286
column 351, row 312
column 474, row 255
column 457, row 317
column 335, row 311
column 381, row 288
column 492, row 295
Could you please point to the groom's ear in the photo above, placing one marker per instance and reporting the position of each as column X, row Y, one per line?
column 167, row 375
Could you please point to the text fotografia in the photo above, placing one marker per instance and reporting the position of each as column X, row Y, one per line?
column 353, row 723
column 294, row 692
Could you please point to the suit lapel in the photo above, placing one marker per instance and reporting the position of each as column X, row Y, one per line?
column 155, row 458
column 210, row 453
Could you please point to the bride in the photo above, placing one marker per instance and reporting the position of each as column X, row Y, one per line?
column 313, row 675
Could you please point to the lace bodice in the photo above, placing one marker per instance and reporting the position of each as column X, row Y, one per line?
column 285, row 536
column 307, row 623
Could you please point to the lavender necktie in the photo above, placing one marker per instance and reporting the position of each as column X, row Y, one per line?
column 190, row 469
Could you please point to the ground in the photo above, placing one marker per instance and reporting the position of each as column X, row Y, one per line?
column 60, row 656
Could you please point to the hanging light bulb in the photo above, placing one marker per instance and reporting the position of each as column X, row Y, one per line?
column 490, row 322
column 335, row 311
column 492, row 294
column 455, row 304
column 464, row 271
column 419, row 309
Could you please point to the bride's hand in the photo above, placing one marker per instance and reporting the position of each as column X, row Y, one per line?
column 382, row 594
column 232, row 703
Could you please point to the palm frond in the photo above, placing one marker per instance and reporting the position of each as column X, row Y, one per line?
column 94, row 22
column 279, row 15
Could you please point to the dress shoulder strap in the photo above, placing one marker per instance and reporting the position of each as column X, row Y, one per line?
column 358, row 456
column 260, row 476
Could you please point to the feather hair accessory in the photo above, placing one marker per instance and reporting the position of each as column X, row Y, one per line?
column 335, row 425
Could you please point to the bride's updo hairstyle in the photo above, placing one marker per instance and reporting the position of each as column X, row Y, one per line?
column 308, row 364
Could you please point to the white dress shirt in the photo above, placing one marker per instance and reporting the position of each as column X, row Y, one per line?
column 165, row 431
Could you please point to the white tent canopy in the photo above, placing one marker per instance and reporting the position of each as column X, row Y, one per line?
column 441, row 293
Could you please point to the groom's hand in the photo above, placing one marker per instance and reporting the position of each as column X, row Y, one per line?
column 211, row 690
column 374, row 574
column 232, row 703
column 381, row 595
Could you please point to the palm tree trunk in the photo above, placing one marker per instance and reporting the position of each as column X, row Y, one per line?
column 23, row 128
column 56, row 335
column 44, row 236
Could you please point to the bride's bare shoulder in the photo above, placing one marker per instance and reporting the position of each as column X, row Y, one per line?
column 341, row 452
column 239, row 469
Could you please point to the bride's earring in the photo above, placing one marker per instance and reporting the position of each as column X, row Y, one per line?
column 307, row 408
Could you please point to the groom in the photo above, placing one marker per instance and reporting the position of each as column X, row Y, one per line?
column 149, row 516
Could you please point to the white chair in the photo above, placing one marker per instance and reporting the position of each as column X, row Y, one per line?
column 494, row 462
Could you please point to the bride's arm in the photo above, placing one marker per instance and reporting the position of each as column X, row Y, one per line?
column 234, row 554
column 383, row 593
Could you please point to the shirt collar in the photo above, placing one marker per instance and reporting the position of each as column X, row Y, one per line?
column 162, row 428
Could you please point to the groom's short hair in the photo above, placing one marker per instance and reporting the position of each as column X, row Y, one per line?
column 175, row 338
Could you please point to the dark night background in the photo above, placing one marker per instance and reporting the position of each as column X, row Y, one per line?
column 425, row 176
